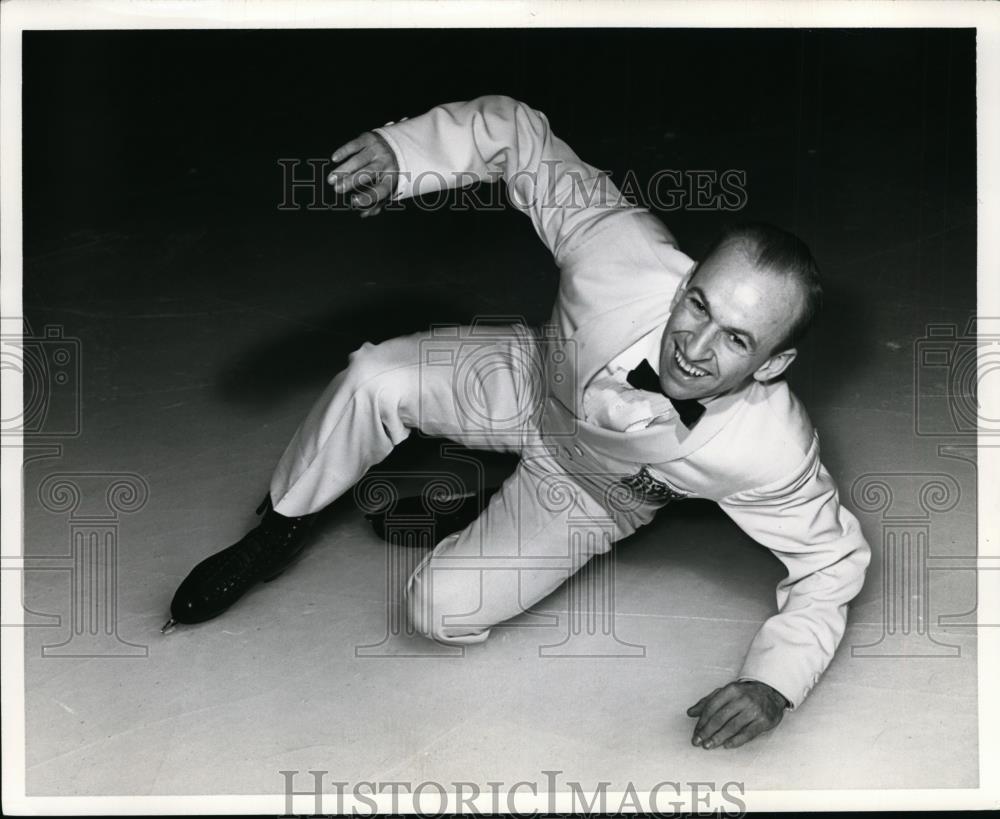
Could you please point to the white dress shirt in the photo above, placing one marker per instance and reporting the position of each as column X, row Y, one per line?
column 609, row 401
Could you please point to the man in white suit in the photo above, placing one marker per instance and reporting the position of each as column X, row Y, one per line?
column 655, row 378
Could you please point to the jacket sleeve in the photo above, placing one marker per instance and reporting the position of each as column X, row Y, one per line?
column 497, row 138
column 800, row 519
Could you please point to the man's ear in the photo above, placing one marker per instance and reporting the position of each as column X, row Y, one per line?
column 775, row 365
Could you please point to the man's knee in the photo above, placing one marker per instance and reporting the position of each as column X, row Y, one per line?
column 383, row 379
column 439, row 607
column 378, row 364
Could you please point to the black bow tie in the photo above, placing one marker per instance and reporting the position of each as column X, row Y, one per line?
column 644, row 377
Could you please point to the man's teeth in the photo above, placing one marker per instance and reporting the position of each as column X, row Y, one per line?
column 690, row 369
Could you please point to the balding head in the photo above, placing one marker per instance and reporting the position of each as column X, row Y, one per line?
column 773, row 250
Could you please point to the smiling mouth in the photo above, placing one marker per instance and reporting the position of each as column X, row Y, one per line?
column 687, row 367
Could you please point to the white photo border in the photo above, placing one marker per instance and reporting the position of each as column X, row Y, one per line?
column 17, row 16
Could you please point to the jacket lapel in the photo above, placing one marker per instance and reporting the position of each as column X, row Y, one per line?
column 606, row 335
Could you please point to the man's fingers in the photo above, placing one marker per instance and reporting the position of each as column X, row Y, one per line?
column 372, row 196
column 734, row 714
column 366, row 198
column 366, row 171
column 710, row 723
column 349, row 166
column 716, row 700
column 696, row 709
column 346, row 150
column 365, row 177
column 746, row 734
column 346, row 181
column 740, row 720
column 385, row 186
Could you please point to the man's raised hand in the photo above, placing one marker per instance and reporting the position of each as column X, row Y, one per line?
column 366, row 169
column 736, row 713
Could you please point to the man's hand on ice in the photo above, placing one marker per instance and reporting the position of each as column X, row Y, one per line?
column 366, row 169
column 735, row 714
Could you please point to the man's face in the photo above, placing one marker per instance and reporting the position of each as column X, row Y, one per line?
column 724, row 326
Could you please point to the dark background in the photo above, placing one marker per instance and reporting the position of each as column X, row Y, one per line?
column 151, row 173
column 186, row 126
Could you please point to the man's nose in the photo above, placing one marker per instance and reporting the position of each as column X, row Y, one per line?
column 700, row 343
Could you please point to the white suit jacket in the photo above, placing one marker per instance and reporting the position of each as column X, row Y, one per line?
column 754, row 452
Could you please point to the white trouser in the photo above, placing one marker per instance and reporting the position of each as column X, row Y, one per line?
column 481, row 387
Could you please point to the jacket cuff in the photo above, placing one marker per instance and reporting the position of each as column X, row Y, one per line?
column 403, row 187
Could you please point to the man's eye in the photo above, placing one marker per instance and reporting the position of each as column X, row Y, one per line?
column 739, row 342
column 697, row 304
